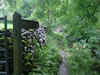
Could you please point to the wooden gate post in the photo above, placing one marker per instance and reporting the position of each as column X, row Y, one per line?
column 17, row 45
column 18, row 24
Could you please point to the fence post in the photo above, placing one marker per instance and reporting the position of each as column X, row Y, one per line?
column 17, row 44
column 18, row 24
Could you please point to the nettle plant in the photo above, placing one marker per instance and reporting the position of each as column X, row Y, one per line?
column 31, row 38
column 39, row 58
column 31, row 35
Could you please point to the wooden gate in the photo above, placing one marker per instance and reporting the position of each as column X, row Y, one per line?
column 18, row 24
column 4, row 66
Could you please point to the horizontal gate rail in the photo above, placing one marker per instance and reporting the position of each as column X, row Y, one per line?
column 4, row 49
column 2, row 18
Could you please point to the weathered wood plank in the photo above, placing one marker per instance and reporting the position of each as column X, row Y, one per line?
column 17, row 45
column 18, row 24
column 2, row 18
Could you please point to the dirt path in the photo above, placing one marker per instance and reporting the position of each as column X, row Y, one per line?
column 63, row 69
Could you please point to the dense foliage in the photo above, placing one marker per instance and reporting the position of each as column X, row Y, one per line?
column 73, row 26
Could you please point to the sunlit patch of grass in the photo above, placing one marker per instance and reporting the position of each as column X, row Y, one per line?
column 9, row 26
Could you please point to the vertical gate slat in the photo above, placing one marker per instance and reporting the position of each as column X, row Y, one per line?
column 6, row 46
column 17, row 45
column 5, row 49
column 18, row 24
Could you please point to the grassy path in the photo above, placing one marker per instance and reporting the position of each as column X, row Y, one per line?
column 63, row 69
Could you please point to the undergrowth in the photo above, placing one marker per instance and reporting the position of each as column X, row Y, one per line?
column 80, row 60
column 45, row 60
